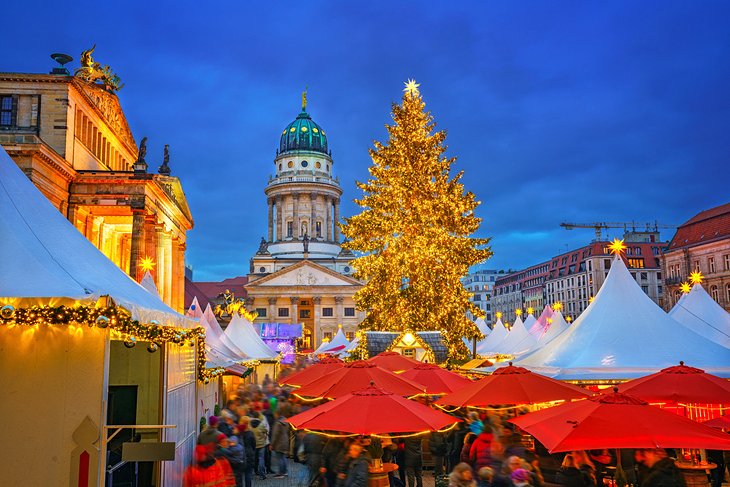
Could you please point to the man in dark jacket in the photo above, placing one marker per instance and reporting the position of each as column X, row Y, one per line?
column 357, row 472
column 330, row 454
column 232, row 451
column 413, row 460
column 455, row 440
column 437, row 446
column 280, row 444
column 313, row 446
column 248, row 442
column 662, row 470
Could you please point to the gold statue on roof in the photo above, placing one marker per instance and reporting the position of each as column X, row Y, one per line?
column 304, row 100
column 91, row 71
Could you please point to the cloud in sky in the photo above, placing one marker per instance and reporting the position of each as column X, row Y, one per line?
column 557, row 111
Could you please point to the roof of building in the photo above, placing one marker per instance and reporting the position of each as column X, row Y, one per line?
column 706, row 226
column 208, row 291
column 379, row 341
column 303, row 134
column 193, row 291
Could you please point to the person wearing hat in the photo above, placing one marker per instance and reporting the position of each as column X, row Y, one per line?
column 210, row 434
column 521, row 477
column 231, row 450
column 207, row 470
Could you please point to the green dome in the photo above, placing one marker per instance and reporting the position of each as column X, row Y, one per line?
column 303, row 134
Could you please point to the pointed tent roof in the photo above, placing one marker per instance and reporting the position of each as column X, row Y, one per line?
column 483, row 327
column 339, row 340
column 519, row 340
column 624, row 334
column 218, row 340
column 530, row 321
column 490, row 344
column 52, row 261
column 700, row 313
column 148, row 283
column 555, row 326
column 538, row 329
column 195, row 311
column 240, row 331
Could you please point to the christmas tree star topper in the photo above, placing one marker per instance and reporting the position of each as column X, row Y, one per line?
column 696, row 277
column 411, row 87
column 685, row 287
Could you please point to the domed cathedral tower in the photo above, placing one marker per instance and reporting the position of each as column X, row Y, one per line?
column 300, row 273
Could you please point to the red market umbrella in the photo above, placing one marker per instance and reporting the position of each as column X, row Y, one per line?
column 721, row 422
column 314, row 371
column 616, row 420
column 513, row 385
column 682, row 384
column 372, row 411
column 435, row 379
column 358, row 375
column 393, row 361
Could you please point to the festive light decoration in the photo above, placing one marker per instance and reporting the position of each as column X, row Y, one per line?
column 414, row 233
column 685, row 287
column 696, row 277
column 411, row 339
column 617, row 246
column 103, row 315
column 498, row 314
column 147, row 264
column 518, row 312
column 590, row 300
column 557, row 306
column 530, row 310
column 569, row 319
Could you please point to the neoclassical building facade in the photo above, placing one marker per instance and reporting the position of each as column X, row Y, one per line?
column 300, row 273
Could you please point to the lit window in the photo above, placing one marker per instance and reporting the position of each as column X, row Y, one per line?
column 328, row 336
column 293, row 129
column 318, row 164
column 636, row 263
column 314, row 129
column 409, row 352
column 290, row 164
column 350, row 336
column 304, row 129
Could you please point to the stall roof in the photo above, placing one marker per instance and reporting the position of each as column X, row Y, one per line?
column 699, row 312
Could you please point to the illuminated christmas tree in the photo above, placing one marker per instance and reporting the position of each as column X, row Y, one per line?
column 415, row 233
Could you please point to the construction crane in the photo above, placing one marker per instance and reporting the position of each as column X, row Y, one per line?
column 599, row 226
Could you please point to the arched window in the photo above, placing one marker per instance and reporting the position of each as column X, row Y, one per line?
column 727, row 293
column 715, row 293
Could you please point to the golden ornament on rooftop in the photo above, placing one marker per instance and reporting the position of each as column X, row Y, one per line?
column 617, row 246
column 685, row 287
column 147, row 264
column 696, row 277
column 518, row 312
column 530, row 311
column 498, row 314
column 557, row 306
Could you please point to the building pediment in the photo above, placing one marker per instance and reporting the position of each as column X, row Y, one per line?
column 304, row 273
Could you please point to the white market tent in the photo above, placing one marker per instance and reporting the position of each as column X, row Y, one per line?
column 530, row 322
column 519, row 340
column 483, row 327
column 241, row 333
column 540, row 326
column 490, row 345
column 556, row 325
column 194, row 311
column 339, row 340
column 624, row 334
column 699, row 312
column 217, row 340
column 148, row 283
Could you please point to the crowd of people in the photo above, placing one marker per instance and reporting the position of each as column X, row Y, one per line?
column 251, row 439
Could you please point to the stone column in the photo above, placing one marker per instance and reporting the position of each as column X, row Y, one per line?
column 328, row 218
column 337, row 220
column 313, row 215
column 279, row 218
column 294, row 310
column 160, row 260
column 73, row 214
column 150, row 240
column 168, row 269
column 295, row 218
column 272, row 310
column 339, row 312
column 135, row 253
column 182, row 246
column 174, row 262
column 317, row 300
column 271, row 219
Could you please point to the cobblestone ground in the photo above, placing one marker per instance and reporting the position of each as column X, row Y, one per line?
column 298, row 478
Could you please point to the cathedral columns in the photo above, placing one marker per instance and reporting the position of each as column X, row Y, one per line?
column 174, row 263
column 272, row 309
column 337, row 220
column 313, row 214
column 296, row 221
column 328, row 223
column 180, row 273
column 294, row 309
column 338, row 312
column 135, row 254
column 271, row 220
column 160, row 260
column 279, row 217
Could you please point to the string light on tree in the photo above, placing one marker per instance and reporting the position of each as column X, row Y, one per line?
column 415, row 233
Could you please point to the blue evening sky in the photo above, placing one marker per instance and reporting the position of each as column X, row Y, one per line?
column 557, row 110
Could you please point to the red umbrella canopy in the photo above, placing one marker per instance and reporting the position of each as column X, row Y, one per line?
column 721, row 422
column 314, row 371
column 680, row 383
column 435, row 379
column 358, row 375
column 512, row 385
column 393, row 361
column 372, row 411
column 616, row 420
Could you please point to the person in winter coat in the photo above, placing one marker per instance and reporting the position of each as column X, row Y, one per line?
column 585, row 465
column 413, row 460
column 570, row 476
column 485, row 475
column 210, row 434
column 357, row 471
column 437, row 446
column 208, row 471
column 313, row 446
column 663, row 472
column 455, row 440
column 280, row 445
column 480, row 453
column 465, row 455
column 462, row 476
column 248, row 442
column 231, row 450
column 475, row 424
column 260, row 430
column 330, row 454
